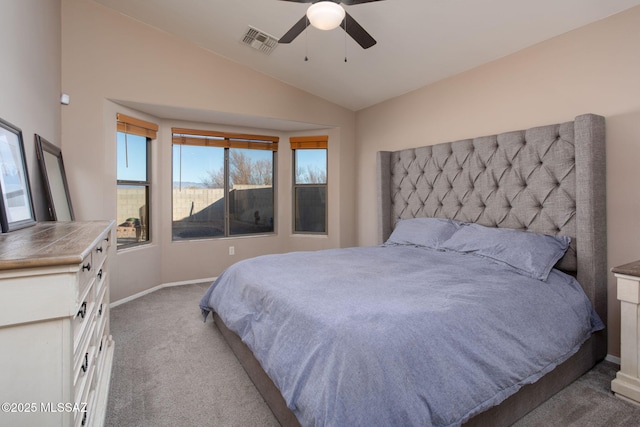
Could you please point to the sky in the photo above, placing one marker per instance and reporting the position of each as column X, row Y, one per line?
column 195, row 161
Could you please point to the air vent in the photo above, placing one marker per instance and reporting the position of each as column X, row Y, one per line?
column 259, row 40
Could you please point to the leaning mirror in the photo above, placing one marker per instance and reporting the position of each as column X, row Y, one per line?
column 54, row 180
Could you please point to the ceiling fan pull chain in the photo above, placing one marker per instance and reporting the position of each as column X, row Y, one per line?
column 345, row 40
column 306, row 41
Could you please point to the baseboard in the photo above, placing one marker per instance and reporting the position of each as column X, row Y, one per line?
column 612, row 359
column 155, row 288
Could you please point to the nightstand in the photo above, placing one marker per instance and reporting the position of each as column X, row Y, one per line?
column 626, row 385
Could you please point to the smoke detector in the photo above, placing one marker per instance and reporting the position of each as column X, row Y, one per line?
column 259, row 40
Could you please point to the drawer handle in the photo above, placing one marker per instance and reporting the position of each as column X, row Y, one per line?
column 107, row 239
column 100, row 274
column 87, row 267
column 85, row 365
column 100, row 311
column 99, row 249
column 83, row 310
column 84, row 419
column 100, row 349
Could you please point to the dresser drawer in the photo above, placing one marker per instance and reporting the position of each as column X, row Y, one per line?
column 83, row 358
column 101, row 277
column 102, row 305
column 81, row 322
column 85, row 419
column 85, row 276
column 100, row 252
column 82, row 396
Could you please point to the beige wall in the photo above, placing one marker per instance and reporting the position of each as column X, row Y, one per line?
column 107, row 56
column 595, row 69
column 30, row 78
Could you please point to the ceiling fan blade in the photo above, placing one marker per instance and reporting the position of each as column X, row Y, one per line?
column 295, row 31
column 356, row 32
column 351, row 2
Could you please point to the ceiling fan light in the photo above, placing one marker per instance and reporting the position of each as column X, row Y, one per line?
column 325, row 15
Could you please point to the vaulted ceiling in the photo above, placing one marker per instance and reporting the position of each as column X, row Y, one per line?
column 418, row 41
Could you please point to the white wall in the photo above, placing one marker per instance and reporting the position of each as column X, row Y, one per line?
column 594, row 69
column 30, row 82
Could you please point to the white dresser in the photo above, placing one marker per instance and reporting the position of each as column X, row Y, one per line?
column 56, row 350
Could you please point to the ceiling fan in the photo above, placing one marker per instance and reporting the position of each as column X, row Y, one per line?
column 327, row 15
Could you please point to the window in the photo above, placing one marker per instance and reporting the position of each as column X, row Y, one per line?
column 133, row 171
column 310, row 184
column 222, row 184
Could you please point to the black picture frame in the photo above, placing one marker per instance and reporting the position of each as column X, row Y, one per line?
column 16, row 203
column 54, row 180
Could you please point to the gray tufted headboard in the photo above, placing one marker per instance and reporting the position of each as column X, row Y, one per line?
column 548, row 179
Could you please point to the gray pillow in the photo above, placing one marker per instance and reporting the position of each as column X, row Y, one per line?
column 531, row 254
column 426, row 232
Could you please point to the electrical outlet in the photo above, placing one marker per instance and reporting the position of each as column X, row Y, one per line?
column 232, row 250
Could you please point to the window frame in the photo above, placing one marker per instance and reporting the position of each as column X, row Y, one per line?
column 228, row 141
column 318, row 142
column 133, row 126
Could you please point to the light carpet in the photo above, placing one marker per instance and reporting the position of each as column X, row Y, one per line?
column 171, row 369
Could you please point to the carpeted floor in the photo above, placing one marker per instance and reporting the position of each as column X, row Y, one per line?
column 171, row 369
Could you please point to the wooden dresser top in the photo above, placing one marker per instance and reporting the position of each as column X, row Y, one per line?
column 50, row 244
column 631, row 269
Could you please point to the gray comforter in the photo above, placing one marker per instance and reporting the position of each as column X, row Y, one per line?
column 398, row 335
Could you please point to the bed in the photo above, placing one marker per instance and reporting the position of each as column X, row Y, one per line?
column 358, row 336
